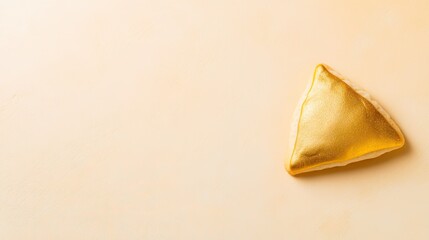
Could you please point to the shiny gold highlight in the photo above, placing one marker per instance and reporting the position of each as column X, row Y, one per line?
column 337, row 126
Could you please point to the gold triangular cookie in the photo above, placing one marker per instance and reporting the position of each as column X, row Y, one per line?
column 339, row 124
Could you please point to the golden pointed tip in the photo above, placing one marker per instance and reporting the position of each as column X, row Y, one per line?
column 320, row 65
column 292, row 168
column 292, row 173
column 287, row 168
column 320, row 68
column 402, row 143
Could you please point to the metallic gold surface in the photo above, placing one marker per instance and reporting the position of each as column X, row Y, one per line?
column 337, row 125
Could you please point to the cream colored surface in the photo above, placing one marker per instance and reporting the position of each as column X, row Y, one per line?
column 170, row 119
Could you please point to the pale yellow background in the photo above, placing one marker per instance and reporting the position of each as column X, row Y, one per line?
column 170, row 119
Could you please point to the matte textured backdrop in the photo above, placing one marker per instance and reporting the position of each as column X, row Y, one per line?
column 170, row 119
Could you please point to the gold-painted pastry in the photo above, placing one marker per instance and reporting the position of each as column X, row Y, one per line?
column 338, row 124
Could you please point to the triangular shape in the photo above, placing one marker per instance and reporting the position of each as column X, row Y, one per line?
column 338, row 124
